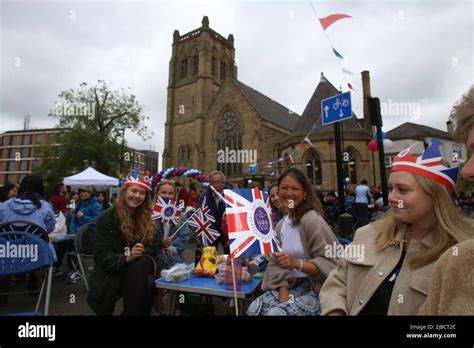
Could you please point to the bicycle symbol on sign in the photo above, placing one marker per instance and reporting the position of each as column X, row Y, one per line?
column 338, row 103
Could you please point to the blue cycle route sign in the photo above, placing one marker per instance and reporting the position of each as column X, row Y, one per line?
column 337, row 108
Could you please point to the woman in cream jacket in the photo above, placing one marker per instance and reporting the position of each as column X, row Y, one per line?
column 392, row 276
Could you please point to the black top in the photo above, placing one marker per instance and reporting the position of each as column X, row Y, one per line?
column 380, row 301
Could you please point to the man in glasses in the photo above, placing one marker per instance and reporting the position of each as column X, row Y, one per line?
column 216, row 205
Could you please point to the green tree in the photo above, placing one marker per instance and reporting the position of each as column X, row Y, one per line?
column 94, row 120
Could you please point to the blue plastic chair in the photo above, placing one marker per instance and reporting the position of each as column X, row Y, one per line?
column 22, row 234
column 83, row 247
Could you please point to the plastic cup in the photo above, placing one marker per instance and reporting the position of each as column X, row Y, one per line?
column 229, row 279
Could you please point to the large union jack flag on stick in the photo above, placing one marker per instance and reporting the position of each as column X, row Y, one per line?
column 166, row 211
column 201, row 224
column 249, row 223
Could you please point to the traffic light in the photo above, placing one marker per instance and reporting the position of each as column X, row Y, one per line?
column 374, row 111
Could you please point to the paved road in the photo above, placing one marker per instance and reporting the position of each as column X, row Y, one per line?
column 70, row 299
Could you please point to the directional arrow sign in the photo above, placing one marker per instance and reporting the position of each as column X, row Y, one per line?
column 337, row 108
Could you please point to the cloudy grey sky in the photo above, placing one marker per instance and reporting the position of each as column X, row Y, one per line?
column 417, row 52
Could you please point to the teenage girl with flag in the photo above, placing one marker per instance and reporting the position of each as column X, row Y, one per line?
column 125, row 245
column 174, row 243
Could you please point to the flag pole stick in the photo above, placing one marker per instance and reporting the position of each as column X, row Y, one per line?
column 184, row 223
column 217, row 193
column 235, row 291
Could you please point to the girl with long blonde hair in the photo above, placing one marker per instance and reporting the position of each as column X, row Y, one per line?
column 126, row 244
column 391, row 273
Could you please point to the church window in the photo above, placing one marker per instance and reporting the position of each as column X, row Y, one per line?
column 195, row 63
column 184, row 67
column 223, row 70
column 181, row 153
column 188, row 152
column 314, row 168
column 349, row 167
column 214, row 60
column 229, row 142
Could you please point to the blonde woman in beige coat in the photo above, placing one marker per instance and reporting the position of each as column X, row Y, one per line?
column 393, row 275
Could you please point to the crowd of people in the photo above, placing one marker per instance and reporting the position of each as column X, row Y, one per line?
column 412, row 259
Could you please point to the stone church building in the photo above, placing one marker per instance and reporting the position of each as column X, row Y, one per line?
column 211, row 113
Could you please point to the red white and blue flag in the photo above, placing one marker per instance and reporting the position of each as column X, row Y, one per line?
column 166, row 211
column 429, row 164
column 249, row 223
column 326, row 22
column 201, row 224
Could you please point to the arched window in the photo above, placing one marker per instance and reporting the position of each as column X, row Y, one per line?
column 314, row 170
column 213, row 68
column 229, row 145
column 188, row 152
column 181, row 153
column 195, row 63
column 223, row 71
column 184, row 67
column 349, row 165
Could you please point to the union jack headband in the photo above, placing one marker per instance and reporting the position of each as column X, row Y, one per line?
column 429, row 165
column 143, row 183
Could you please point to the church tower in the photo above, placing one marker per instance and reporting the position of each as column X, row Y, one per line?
column 201, row 61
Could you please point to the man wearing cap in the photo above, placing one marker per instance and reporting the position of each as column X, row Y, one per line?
column 87, row 210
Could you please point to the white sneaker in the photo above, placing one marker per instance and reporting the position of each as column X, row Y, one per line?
column 74, row 277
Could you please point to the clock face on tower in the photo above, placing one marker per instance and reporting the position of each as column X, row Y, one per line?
column 229, row 120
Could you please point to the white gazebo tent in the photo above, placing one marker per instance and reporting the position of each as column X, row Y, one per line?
column 91, row 179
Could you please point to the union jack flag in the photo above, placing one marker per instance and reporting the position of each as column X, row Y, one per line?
column 430, row 165
column 201, row 224
column 166, row 211
column 249, row 223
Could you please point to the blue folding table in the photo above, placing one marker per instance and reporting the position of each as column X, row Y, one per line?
column 207, row 286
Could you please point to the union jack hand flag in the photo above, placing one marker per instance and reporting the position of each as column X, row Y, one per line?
column 249, row 223
column 201, row 224
column 166, row 211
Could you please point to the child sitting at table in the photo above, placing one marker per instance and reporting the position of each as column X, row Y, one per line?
column 174, row 245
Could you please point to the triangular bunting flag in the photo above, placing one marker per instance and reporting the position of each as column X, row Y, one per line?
column 345, row 71
column 326, row 22
column 306, row 140
column 338, row 55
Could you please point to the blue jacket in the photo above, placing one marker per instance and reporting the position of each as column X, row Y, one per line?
column 91, row 210
column 17, row 209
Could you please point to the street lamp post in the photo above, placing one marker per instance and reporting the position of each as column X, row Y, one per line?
column 122, row 151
